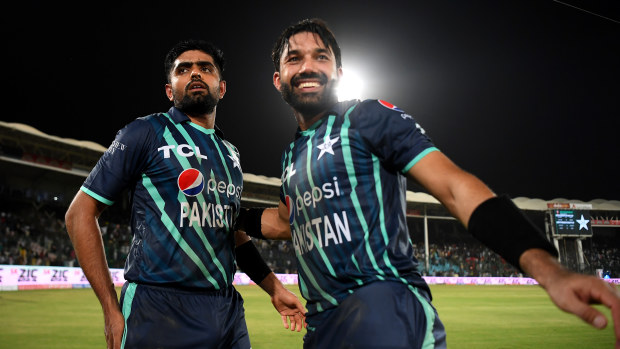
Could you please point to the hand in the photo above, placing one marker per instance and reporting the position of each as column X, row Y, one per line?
column 574, row 293
column 114, row 328
column 290, row 308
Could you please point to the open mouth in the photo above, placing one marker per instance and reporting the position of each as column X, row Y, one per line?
column 308, row 84
column 197, row 86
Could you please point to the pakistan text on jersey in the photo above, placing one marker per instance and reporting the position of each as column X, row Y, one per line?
column 207, row 215
column 322, row 232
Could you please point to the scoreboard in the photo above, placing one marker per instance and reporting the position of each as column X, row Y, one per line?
column 571, row 222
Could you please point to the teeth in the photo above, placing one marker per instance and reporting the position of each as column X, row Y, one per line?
column 309, row 84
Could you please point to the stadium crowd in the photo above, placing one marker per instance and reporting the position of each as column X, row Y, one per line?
column 38, row 237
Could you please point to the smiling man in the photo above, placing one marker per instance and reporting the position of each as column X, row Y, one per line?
column 343, row 204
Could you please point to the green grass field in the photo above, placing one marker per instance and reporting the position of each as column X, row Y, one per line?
column 474, row 316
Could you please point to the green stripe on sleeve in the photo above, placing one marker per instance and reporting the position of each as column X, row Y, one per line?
column 97, row 196
column 418, row 158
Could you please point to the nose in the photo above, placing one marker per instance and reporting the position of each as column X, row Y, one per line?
column 307, row 66
column 195, row 74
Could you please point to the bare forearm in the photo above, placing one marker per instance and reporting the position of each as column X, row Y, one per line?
column 270, row 284
column 540, row 265
column 273, row 226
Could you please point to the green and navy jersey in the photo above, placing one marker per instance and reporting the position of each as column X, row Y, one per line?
column 185, row 183
column 344, row 185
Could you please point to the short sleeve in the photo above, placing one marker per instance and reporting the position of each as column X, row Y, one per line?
column 392, row 135
column 122, row 163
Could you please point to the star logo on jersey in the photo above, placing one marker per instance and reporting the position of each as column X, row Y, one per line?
column 288, row 172
column 583, row 223
column 235, row 160
column 326, row 147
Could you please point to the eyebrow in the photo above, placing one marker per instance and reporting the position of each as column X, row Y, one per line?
column 290, row 52
column 188, row 64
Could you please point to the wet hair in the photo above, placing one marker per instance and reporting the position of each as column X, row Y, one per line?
column 313, row 25
column 194, row 44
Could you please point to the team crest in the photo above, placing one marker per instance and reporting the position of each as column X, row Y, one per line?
column 191, row 182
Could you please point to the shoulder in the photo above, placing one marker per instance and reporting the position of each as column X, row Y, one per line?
column 378, row 106
column 140, row 131
column 376, row 111
column 231, row 147
column 144, row 124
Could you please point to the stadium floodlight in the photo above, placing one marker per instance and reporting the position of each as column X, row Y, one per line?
column 350, row 85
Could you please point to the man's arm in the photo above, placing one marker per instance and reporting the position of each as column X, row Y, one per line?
column 462, row 194
column 286, row 302
column 459, row 191
column 265, row 223
column 275, row 223
column 83, row 228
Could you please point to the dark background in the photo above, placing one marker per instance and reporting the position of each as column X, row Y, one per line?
column 524, row 94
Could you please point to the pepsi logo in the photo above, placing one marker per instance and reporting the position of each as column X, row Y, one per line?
column 191, row 182
column 388, row 105
column 291, row 209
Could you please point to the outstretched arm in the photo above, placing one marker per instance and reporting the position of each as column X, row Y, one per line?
column 83, row 228
column 286, row 302
column 464, row 195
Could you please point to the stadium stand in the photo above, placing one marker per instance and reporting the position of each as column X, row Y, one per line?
column 39, row 174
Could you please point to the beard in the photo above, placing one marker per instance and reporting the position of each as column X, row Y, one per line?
column 197, row 104
column 310, row 104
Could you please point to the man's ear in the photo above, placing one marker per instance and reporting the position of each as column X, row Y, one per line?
column 169, row 92
column 276, row 80
column 222, row 88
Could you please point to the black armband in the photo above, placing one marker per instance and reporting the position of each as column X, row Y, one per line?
column 249, row 221
column 250, row 262
column 500, row 224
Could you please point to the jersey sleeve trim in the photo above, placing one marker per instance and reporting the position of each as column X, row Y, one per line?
column 97, row 196
column 418, row 158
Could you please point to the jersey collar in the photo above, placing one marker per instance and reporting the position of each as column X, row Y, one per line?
column 337, row 109
column 179, row 117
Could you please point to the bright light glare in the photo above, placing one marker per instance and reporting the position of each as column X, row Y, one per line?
column 350, row 86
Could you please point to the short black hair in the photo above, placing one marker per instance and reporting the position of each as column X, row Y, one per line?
column 313, row 25
column 194, row 44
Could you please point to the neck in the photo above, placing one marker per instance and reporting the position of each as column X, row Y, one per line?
column 205, row 120
column 305, row 122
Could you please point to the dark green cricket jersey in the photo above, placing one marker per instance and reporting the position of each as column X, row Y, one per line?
column 185, row 183
column 344, row 185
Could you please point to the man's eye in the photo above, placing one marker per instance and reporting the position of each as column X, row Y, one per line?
column 206, row 69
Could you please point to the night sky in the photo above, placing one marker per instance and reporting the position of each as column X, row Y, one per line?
column 523, row 94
